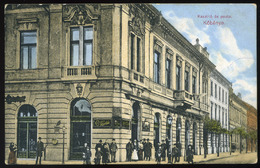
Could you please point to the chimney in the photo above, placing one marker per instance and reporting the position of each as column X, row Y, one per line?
column 197, row 41
column 239, row 95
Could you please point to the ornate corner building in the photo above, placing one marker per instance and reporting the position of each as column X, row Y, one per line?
column 100, row 71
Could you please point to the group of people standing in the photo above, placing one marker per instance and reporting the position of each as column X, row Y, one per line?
column 140, row 150
column 13, row 148
column 104, row 151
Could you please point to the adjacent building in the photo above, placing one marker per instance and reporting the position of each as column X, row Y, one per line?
column 237, row 119
column 78, row 73
column 219, row 110
column 251, row 127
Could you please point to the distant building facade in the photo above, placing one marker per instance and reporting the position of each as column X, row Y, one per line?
column 237, row 118
column 100, row 71
column 219, row 110
column 251, row 126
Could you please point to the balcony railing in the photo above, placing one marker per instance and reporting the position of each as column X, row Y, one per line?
column 137, row 77
column 79, row 71
column 184, row 96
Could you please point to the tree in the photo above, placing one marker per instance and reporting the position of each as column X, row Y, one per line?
column 213, row 126
column 253, row 136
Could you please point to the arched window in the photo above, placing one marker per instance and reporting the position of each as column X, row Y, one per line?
column 27, row 132
column 187, row 134
column 135, row 123
column 157, row 120
column 194, row 137
column 178, row 130
column 80, row 127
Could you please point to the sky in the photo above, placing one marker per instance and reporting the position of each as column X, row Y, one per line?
column 231, row 41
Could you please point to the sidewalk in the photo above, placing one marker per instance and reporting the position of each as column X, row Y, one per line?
column 197, row 159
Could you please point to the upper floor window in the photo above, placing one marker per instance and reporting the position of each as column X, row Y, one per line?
column 168, row 73
column 211, row 114
column 219, row 95
column 225, row 97
column 186, row 80
column 216, row 91
column 222, row 95
column 81, row 46
column 211, row 88
column 135, row 54
column 194, row 84
column 178, row 77
column 28, row 50
column 156, row 67
column 216, row 107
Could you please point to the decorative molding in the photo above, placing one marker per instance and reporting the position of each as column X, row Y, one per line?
column 27, row 20
column 137, row 21
column 79, row 14
column 179, row 60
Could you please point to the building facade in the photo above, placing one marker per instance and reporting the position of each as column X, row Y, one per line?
column 237, row 119
column 81, row 73
column 219, row 96
column 251, row 126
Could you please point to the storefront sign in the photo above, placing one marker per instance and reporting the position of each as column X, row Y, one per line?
column 9, row 99
column 101, row 123
column 125, row 124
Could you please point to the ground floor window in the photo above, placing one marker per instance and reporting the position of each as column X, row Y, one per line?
column 27, row 132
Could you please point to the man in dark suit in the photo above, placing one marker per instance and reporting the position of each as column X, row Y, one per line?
column 39, row 150
column 148, row 149
column 129, row 150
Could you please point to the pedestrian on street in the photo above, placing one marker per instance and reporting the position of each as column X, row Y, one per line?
column 169, row 156
column 178, row 145
column 189, row 154
column 129, row 150
column 99, row 145
column 113, row 149
column 163, row 148
column 105, row 151
column 140, row 150
column 86, row 154
column 134, row 154
column 39, row 150
column 144, row 148
column 98, row 155
column 12, row 154
column 148, row 149
column 159, row 154
column 175, row 153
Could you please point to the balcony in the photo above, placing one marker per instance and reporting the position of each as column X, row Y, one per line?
column 79, row 72
column 137, row 77
column 184, row 97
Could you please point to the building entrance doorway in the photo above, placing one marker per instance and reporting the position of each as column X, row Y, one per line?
column 135, row 123
column 80, row 127
column 27, row 132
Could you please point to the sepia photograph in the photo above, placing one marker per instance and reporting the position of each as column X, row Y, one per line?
column 130, row 83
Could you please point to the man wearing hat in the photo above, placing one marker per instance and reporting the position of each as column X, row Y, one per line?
column 164, row 148
column 100, row 147
column 144, row 148
column 148, row 149
column 39, row 150
column 129, row 150
column 113, row 149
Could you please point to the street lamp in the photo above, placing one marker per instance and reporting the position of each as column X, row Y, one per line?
column 63, row 131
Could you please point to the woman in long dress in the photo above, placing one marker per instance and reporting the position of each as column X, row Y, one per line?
column 135, row 155
column 12, row 155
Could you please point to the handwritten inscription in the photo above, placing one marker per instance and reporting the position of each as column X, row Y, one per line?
column 102, row 123
column 214, row 19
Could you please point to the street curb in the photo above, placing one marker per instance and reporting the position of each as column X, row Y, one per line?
column 215, row 159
